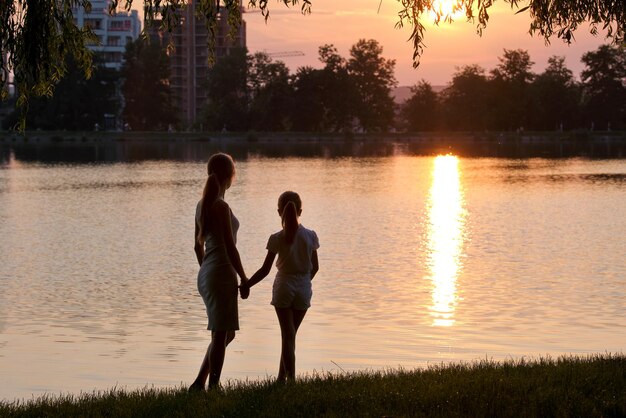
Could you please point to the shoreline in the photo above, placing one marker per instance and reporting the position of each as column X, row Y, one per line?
column 46, row 137
column 467, row 144
column 592, row 385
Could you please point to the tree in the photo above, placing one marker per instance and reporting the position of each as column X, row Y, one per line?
column 510, row 86
column 270, row 93
column 78, row 103
column 374, row 78
column 324, row 100
column 331, row 59
column 39, row 34
column 308, row 112
column 555, row 97
column 466, row 100
column 604, row 87
column 147, row 94
column 548, row 18
column 227, row 92
column 339, row 90
column 421, row 111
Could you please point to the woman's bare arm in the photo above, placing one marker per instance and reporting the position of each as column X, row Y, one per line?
column 223, row 214
column 198, row 247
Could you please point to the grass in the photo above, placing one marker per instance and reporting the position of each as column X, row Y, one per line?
column 593, row 386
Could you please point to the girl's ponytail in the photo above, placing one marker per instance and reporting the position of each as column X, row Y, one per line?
column 209, row 197
column 290, row 222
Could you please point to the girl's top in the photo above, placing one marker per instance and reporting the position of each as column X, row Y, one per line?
column 294, row 259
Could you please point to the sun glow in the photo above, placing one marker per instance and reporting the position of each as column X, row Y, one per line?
column 447, row 10
column 445, row 238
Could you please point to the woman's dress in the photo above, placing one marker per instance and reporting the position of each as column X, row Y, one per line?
column 217, row 279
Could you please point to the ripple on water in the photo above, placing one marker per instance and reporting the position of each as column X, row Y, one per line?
column 420, row 264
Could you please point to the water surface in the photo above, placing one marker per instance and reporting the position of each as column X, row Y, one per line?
column 423, row 260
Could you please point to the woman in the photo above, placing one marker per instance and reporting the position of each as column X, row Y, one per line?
column 215, row 239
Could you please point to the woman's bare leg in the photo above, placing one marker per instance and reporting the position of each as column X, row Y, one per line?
column 220, row 339
column 205, row 368
column 203, row 373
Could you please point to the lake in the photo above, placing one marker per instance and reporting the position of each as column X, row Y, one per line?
column 423, row 260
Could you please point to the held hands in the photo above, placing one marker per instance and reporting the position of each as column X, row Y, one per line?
column 244, row 289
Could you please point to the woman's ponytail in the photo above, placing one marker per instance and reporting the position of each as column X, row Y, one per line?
column 209, row 197
column 290, row 222
column 220, row 170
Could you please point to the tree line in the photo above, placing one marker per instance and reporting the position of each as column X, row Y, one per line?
column 35, row 39
column 512, row 97
column 253, row 92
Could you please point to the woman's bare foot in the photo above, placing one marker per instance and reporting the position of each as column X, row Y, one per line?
column 196, row 387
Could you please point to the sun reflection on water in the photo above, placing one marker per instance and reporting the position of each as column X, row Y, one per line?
column 446, row 215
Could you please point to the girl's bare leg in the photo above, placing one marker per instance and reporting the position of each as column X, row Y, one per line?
column 289, row 320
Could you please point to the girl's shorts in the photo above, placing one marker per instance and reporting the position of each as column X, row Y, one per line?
column 293, row 291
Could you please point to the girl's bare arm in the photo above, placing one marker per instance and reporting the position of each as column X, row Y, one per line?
column 264, row 270
column 316, row 264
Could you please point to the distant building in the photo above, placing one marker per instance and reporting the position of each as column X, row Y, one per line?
column 6, row 85
column 6, row 75
column 189, row 54
column 114, row 32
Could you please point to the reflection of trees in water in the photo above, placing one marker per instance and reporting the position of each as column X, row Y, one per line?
column 5, row 155
column 88, row 151
column 195, row 151
column 596, row 178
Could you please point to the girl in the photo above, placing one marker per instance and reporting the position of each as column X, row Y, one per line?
column 215, row 239
column 297, row 264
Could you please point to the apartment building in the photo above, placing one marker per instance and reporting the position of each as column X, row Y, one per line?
column 189, row 58
column 114, row 31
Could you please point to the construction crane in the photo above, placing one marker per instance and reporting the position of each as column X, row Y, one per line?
column 278, row 54
column 285, row 54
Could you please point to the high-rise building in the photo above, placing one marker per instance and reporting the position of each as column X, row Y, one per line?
column 114, row 31
column 187, row 46
column 6, row 75
column 4, row 86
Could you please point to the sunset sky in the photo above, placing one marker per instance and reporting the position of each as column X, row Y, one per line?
column 344, row 22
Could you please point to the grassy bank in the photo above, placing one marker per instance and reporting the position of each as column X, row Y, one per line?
column 567, row 387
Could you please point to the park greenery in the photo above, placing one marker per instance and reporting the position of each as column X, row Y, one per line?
column 593, row 386
column 512, row 97
column 252, row 92
column 148, row 102
column 78, row 103
column 37, row 37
